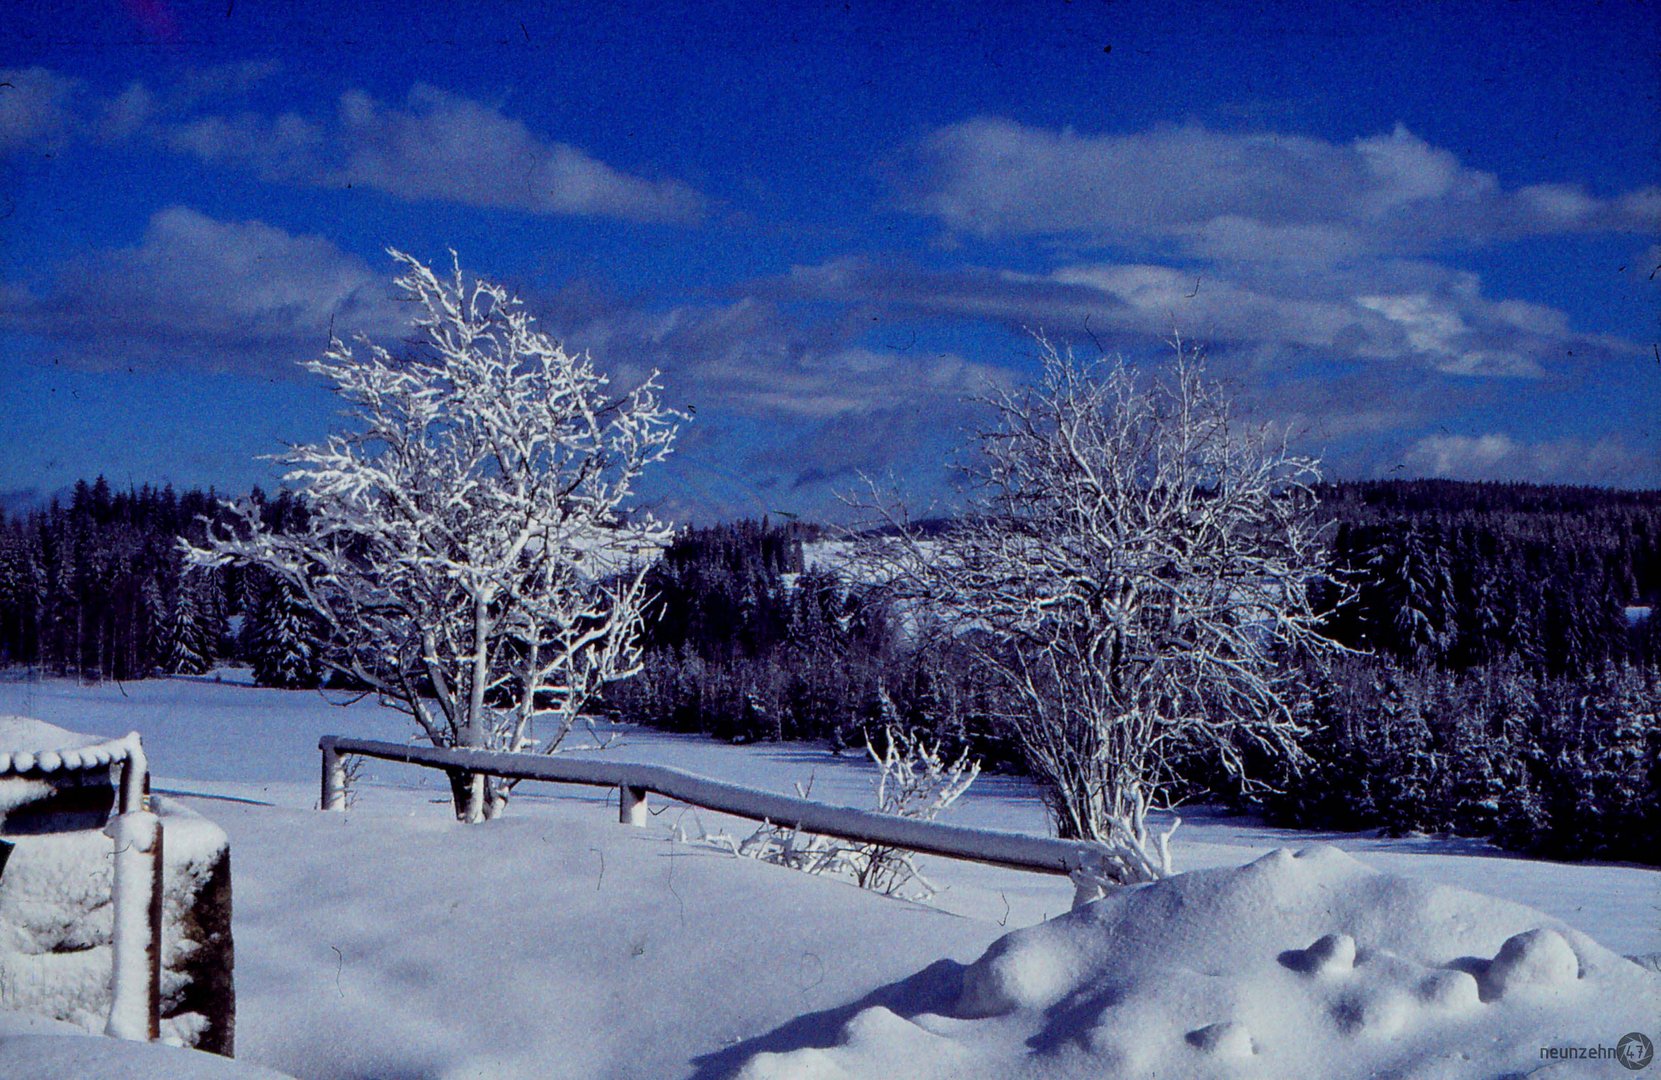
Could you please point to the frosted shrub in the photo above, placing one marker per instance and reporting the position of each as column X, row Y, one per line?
column 1132, row 570
column 915, row 780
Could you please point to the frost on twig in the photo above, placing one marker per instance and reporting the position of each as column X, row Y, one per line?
column 914, row 780
column 469, row 549
column 1132, row 571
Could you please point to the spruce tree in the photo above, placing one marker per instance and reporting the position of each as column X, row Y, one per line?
column 189, row 636
column 157, row 626
column 283, row 639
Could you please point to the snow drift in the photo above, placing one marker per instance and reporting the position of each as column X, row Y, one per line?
column 37, row 1048
column 1306, row 965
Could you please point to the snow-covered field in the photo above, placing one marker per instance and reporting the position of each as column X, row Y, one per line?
column 391, row 942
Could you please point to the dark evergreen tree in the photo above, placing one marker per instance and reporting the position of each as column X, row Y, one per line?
column 156, row 627
column 283, row 639
column 190, row 637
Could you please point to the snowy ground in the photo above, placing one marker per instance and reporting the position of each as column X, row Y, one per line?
column 389, row 942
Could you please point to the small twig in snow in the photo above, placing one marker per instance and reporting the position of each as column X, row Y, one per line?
column 672, row 890
column 821, row 964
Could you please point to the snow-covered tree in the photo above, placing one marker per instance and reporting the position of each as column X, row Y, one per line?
column 190, row 637
column 155, row 622
column 282, row 638
column 1131, row 569
column 467, row 546
column 1410, row 585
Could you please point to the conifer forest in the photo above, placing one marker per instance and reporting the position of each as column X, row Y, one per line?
column 1502, row 678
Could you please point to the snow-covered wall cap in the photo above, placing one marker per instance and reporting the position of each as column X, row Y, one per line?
column 34, row 747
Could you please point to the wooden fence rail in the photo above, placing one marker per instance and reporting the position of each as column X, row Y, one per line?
column 1020, row 851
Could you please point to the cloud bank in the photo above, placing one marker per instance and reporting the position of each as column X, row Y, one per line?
column 204, row 295
column 437, row 147
column 1417, row 314
column 1259, row 197
column 434, row 147
column 1497, row 456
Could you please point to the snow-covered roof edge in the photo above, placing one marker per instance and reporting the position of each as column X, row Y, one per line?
column 34, row 747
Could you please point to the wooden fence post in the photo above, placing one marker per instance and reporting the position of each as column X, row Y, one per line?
column 334, row 778
column 135, row 935
column 631, row 805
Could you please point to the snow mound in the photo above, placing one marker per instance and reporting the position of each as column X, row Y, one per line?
column 34, row 1047
column 1305, row 965
column 77, row 1057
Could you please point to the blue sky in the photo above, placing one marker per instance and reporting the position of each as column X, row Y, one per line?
column 1424, row 236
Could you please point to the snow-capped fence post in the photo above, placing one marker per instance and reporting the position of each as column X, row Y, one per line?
column 631, row 805
column 135, row 775
column 334, row 777
column 135, row 938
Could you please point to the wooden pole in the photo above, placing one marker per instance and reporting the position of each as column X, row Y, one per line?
column 1046, row 855
column 135, row 934
column 631, row 805
column 158, row 899
column 334, row 778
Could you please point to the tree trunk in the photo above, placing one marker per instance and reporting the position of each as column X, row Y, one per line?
column 468, row 796
column 496, row 799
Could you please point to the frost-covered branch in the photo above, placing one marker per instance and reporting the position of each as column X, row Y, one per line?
column 914, row 780
column 1133, row 569
column 467, row 544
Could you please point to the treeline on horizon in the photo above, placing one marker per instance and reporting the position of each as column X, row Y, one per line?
column 1501, row 687
column 96, row 588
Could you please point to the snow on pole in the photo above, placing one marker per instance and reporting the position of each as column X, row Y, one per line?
column 135, row 938
column 631, row 805
column 135, row 773
column 1043, row 854
column 334, row 777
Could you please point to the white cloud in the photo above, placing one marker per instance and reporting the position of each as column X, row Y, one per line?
column 286, row 147
column 750, row 358
column 1437, row 329
column 445, row 147
column 1240, row 196
column 127, row 113
column 436, row 147
column 207, row 295
column 1497, row 456
column 1408, row 313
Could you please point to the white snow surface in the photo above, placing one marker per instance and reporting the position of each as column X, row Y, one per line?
column 26, row 734
column 36, row 1048
column 391, row 942
column 1356, row 974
